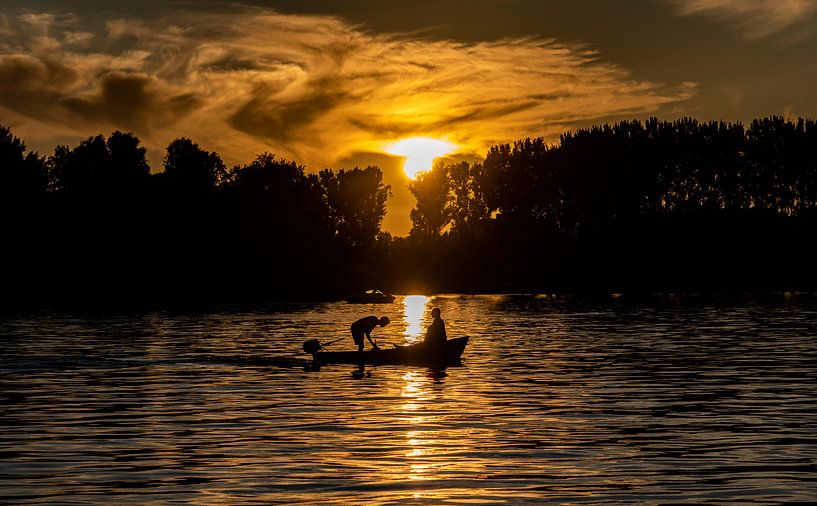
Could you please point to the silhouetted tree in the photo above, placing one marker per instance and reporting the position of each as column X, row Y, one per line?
column 466, row 206
column 431, row 189
column 81, row 169
column 278, row 203
column 191, row 169
column 356, row 203
column 21, row 174
column 99, row 166
column 130, row 167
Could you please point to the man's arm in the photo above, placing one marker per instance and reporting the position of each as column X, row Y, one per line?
column 369, row 337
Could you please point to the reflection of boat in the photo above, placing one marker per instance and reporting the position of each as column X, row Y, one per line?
column 371, row 297
column 447, row 353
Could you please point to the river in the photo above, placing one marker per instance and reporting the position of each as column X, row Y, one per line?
column 666, row 399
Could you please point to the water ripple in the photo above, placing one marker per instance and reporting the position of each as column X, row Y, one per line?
column 559, row 400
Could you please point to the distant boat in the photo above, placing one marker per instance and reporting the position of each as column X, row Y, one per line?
column 371, row 297
column 444, row 354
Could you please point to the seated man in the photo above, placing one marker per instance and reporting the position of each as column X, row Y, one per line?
column 364, row 326
column 436, row 331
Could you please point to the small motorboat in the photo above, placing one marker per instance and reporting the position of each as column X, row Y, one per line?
column 443, row 354
column 371, row 297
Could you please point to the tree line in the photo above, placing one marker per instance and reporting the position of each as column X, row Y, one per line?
column 94, row 222
column 654, row 205
column 633, row 206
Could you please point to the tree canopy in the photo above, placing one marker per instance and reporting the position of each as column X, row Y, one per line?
column 21, row 174
column 651, row 205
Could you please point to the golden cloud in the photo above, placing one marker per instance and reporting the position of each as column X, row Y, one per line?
column 755, row 18
column 314, row 88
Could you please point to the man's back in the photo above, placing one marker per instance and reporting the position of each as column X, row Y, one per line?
column 366, row 324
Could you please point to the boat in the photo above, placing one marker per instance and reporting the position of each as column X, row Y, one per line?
column 440, row 355
column 371, row 297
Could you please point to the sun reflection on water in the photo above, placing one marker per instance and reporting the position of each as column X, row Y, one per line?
column 416, row 440
column 414, row 307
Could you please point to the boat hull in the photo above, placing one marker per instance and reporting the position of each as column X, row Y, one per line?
column 445, row 354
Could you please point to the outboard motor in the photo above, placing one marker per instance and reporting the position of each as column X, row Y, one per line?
column 312, row 346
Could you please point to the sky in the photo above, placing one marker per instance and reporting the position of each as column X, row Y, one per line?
column 334, row 83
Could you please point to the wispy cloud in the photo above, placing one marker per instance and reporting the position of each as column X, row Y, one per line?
column 311, row 87
column 756, row 18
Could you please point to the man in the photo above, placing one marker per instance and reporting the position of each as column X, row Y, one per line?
column 436, row 331
column 364, row 327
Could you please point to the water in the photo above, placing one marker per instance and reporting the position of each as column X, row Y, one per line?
column 666, row 400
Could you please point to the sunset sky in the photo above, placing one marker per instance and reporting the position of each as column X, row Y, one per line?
column 338, row 83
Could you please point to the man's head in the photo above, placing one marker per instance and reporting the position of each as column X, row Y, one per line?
column 384, row 320
column 435, row 313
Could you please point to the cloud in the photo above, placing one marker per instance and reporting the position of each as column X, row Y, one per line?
column 313, row 88
column 130, row 101
column 47, row 90
column 309, row 84
column 268, row 114
column 33, row 85
column 755, row 18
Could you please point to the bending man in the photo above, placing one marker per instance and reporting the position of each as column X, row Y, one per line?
column 364, row 327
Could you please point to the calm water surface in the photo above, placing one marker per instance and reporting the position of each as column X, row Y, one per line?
column 668, row 400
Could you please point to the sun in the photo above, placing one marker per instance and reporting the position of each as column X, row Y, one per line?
column 420, row 153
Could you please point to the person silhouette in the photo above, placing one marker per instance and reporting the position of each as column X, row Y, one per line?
column 436, row 331
column 364, row 327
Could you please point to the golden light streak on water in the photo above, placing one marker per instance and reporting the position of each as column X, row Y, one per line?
column 414, row 310
column 411, row 392
column 416, row 440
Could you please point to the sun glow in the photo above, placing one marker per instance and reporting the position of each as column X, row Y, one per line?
column 420, row 153
column 414, row 307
